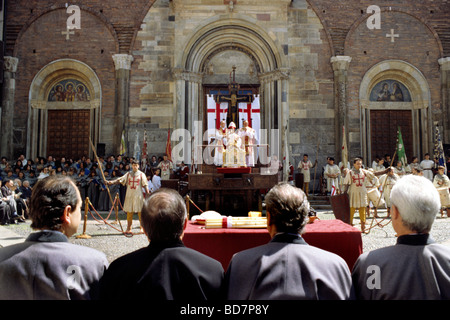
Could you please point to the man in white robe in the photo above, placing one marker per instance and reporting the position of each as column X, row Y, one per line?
column 332, row 173
column 387, row 182
column 427, row 166
column 442, row 184
column 305, row 167
column 415, row 268
column 135, row 180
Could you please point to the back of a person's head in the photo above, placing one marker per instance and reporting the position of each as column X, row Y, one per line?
column 288, row 208
column 417, row 201
column 163, row 215
column 49, row 198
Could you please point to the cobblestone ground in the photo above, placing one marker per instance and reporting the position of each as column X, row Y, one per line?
column 110, row 240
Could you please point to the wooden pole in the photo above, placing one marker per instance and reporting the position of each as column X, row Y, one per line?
column 101, row 169
column 187, row 206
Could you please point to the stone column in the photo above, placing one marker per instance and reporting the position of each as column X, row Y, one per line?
column 122, row 64
column 445, row 91
column 340, row 68
column 9, row 88
column 284, row 121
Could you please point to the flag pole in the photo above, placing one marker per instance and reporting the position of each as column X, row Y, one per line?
column 101, row 170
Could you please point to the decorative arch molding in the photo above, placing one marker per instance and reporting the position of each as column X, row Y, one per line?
column 39, row 105
column 420, row 103
column 245, row 35
column 399, row 70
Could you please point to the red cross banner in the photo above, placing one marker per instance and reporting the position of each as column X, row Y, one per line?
column 216, row 112
column 251, row 113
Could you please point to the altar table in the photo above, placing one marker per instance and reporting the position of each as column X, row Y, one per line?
column 331, row 235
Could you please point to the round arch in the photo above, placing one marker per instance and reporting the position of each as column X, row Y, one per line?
column 237, row 32
column 417, row 85
column 39, row 104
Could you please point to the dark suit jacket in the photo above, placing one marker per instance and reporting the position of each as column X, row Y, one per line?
column 287, row 268
column 47, row 267
column 163, row 271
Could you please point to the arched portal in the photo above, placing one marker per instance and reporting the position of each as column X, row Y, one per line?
column 64, row 110
column 206, row 63
column 394, row 94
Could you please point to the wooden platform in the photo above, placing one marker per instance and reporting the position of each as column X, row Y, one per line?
column 230, row 193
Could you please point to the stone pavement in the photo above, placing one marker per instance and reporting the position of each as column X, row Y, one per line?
column 114, row 244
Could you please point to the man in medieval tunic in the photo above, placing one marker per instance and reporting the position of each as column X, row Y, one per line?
column 415, row 268
column 219, row 137
column 373, row 194
column 304, row 167
column 135, row 180
column 166, row 167
column 332, row 173
column 355, row 185
column 387, row 182
column 442, row 184
column 427, row 165
column 248, row 136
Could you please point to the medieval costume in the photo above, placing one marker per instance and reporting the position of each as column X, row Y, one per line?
column 355, row 181
column 332, row 173
column 387, row 182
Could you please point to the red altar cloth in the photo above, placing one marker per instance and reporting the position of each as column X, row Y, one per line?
column 331, row 235
column 235, row 170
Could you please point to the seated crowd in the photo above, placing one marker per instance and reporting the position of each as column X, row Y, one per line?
column 17, row 179
column 45, row 265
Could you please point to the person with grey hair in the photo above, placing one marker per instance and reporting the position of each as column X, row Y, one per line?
column 415, row 268
column 165, row 269
column 287, row 267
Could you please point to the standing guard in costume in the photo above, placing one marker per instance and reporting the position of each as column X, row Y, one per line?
column 388, row 181
column 134, row 199
column 304, row 167
column 332, row 173
column 166, row 167
column 355, row 184
column 427, row 166
column 442, row 184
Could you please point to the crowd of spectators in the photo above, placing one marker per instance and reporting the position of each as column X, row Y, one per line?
column 17, row 178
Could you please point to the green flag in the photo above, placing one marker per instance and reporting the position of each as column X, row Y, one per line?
column 401, row 149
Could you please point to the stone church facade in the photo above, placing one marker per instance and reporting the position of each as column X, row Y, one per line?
column 147, row 66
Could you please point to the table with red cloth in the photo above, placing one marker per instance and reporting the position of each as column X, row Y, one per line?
column 331, row 235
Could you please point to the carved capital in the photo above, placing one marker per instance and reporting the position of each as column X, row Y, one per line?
column 444, row 63
column 340, row 63
column 10, row 64
column 122, row 61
